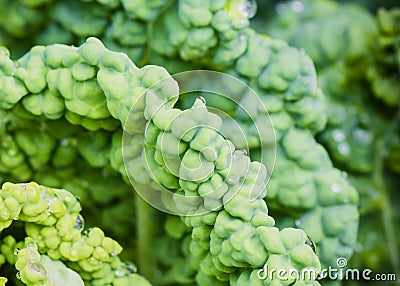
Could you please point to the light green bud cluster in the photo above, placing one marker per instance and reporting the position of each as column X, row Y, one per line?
column 35, row 269
column 30, row 203
column 54, row 228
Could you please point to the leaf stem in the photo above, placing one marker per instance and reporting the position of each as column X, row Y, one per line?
column 146, row 231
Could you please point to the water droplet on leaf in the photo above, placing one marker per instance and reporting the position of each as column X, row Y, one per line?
column 248, row 8
column 16, row 251
column 4, row 215
column 362, row 136
column 202, row 99
column 37, row 267
column 130, row 268
column 78, row 199
column 311, row 243
column 32, row 246
column 280, row 8
column 157, row 273
column 86, row 232
column 338, row 135
column 239, row 153
column 336, row 188
column 79, row 223
column 73, row 252
column 344, row 149
column 297, row 6
column 120, row 272
column 233, row 179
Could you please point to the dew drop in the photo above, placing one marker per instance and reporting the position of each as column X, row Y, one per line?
column 297, row 6
column 37, row 267
column 86, row 232
column 157, row 273
column 362, row 136
column 49, row 199
column 73, row 252
column 239, row 154
column 18, row 275
column 344, row 149
column 335, row 187
column 64, row 142
column 31, row 246
column 120, row 272
column 311, row 243
column 130, row 268
column 297, row 222
column 202, row 99
column 280, row 8
column 16, row 251
column 233, row 179
column 4, row 215
column 79, row 223
column 248, row 8
column 338, row 135
column 4, row 51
